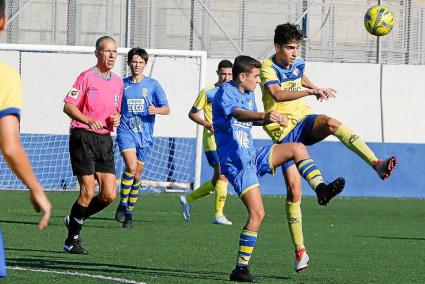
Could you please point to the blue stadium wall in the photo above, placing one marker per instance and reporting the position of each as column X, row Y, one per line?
column 334, row 159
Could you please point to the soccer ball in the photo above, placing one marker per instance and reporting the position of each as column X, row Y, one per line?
column 379, row 20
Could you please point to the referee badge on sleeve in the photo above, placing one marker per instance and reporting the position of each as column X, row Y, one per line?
column 73, row 93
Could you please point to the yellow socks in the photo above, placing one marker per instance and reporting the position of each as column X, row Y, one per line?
column 355, row 144
column 133, row 196
column 220, row 196
column 201, row 191
column 247, row 242
column 294, row 217
column 126, row 183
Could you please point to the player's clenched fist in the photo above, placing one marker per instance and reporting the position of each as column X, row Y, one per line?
column 275, row 117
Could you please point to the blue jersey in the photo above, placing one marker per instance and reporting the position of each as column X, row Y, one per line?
column 135, row 118
column 233, row 138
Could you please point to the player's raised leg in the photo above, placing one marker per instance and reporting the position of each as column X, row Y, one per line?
column 325, row 126
column 307, row 169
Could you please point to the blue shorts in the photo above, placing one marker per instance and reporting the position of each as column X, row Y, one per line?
column 212, row 158
column 127, row 142
column 301, row 133
column 246, row 178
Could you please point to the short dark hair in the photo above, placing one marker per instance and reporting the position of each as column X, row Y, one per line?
column 244, row 64
column 2, row 7
column 137, row 51
column 224, row 64
column 100, row 40
column 286, row 33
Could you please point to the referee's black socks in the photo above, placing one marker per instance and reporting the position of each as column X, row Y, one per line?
column 76, row 220
column 95, row 206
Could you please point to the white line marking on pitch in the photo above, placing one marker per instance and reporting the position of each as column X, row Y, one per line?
column 77, row 274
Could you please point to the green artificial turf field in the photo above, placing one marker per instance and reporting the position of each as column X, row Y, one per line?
column 353, row 240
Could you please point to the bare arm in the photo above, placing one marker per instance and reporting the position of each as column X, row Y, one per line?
column 320, row 93
column 164, row 110
column 73, row 112
column 194, row 116
column 259, row 118
column 280, row 95
column 307, row 83
column 17, row 160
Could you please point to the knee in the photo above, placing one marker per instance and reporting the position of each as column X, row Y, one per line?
column 332, row 125
column 108, row 197
column 137, row 177
column 258, row 216
column 299, row 149
column 131, row 168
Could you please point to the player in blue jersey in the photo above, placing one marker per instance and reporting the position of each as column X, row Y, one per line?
column 234, row 114
column 143, row 98
column 218, row 183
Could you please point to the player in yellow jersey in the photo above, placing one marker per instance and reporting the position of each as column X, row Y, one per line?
column 10, row 144
column 218, row 183
column 283, row 85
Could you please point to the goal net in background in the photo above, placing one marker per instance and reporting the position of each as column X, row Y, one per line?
column 47, row 73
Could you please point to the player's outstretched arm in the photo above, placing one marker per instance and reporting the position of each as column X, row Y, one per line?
column 17, row 159
column 320, row 93
column 259, row 118
column 280, row 95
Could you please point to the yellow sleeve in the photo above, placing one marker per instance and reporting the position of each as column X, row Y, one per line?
column 268, row 74
column 201, row 101
column 10, row 92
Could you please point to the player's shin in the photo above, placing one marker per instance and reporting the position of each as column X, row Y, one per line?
column 220, row 196
column 201, row 191
column 294, row 217
column 133, row 197
column 353, row 142
column 76, row 220
column 126, row 183
column 247, row 242
column 310, row 172
column 96, row 205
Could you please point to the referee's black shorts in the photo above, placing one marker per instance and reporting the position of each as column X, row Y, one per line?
column 91, row 152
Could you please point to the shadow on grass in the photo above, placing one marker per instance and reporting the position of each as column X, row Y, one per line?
column 113, row 220
column 18, row 222
column 111, row 225
column 33, row 250
column 395, row 238
column 71, row 265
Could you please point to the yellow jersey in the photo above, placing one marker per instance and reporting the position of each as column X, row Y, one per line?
column 289, row 79
column 204, row 102
column 10, row 91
